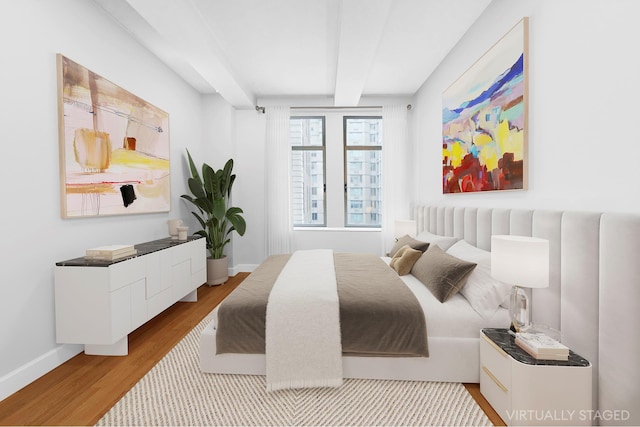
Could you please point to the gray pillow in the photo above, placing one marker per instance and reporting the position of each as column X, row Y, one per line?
column 442, row 273
column 408, row 240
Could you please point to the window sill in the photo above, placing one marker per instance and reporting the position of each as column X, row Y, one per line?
column 345, row 229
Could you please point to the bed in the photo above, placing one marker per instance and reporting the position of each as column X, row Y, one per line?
column 452, row 330
column 593, row 299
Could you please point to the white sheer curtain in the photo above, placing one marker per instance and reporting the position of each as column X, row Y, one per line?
column 396, row 170
column 277, row 182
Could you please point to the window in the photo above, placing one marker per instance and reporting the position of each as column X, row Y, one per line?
column 336, row 170
column 363, row 157
column 307, row 170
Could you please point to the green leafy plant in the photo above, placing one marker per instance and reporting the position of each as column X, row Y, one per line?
column 210, row 194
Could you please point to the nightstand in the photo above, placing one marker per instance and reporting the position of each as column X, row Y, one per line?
column 527, row 391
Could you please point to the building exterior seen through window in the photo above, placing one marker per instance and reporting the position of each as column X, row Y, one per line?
column 307, row 171
column 361, row 165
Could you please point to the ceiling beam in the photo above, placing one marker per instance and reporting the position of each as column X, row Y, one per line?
column 182, row 23
column 362, row 24
column 177, row 34
column 140, row 29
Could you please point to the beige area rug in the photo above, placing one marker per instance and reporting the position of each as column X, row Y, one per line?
column 176, row 393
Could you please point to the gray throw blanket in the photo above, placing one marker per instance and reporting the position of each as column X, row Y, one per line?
column 379, row 315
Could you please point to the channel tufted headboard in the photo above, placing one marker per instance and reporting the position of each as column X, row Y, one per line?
column 594, row 292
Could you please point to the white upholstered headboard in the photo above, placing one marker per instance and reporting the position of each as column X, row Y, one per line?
column 594, row 291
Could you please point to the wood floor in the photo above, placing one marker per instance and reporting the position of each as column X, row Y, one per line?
column 82, row 390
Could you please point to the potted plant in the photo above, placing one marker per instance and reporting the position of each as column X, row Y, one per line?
column 210, row 194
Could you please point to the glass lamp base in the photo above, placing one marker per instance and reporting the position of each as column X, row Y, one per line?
column 518, row 309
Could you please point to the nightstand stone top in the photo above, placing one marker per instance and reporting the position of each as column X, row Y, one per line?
column 503, row 339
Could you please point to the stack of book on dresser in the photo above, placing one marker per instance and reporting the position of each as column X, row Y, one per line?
column 542, row 346
column 110, row 252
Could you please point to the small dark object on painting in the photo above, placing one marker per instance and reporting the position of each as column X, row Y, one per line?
column 128, row 194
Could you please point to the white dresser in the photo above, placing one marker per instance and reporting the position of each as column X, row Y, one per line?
column 98, row 303
column 526, row 391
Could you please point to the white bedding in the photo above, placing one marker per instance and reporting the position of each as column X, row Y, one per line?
column 453, row 330
column 454, row 318
column 303, row 345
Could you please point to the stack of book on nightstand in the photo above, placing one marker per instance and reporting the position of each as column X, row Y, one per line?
column 110, row 252
column 542, row 346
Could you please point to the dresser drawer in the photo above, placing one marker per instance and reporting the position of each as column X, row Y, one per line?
column 127, row 272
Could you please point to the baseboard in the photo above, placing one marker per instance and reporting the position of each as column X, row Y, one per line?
column 242, row 268
column 26, row 374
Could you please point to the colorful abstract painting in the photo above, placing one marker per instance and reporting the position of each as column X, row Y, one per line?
column 484, row 120
column 114, row 147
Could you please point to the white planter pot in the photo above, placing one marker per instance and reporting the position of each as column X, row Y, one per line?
column 217, row 271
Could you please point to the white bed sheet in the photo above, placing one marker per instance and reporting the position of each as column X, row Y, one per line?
column 454, row 318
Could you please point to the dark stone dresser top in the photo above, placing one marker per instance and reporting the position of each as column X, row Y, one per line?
column 143, row 249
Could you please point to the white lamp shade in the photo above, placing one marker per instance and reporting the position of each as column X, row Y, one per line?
column 520, row 260
column 402, row 227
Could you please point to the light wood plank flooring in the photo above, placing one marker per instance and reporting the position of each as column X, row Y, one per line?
column 82, row 390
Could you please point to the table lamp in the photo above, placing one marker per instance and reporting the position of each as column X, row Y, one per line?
column 523, row 262
column 402, row 227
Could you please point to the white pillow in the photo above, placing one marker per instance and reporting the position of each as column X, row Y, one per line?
column 444, row 242
column 484, row 293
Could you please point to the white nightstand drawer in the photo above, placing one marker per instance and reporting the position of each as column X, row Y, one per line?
column 495, row 392
column 496, row 361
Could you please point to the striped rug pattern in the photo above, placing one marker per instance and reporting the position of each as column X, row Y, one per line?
column 176, row 393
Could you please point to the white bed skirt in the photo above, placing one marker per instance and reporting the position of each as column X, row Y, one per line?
column 450, row 360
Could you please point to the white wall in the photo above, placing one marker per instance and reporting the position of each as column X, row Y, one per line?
column 249, row 189
column 584, row 150
column 34, row 236
column 219, row 126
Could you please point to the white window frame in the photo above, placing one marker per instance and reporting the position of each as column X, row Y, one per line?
column 348, row 148
column 334, row 163
column 315, row 148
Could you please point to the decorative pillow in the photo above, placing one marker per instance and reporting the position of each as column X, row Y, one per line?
column 408, row 240
column 442, row 273
column 444, row 242
column 484, row 293
column 404, row 259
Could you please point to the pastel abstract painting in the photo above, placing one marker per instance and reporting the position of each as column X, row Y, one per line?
column 484, row 120
column 114, row 147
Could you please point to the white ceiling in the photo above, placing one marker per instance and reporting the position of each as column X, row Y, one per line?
column 339, row 49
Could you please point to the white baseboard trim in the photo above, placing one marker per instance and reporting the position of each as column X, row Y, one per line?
column 26, row 374
column 242, row 268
